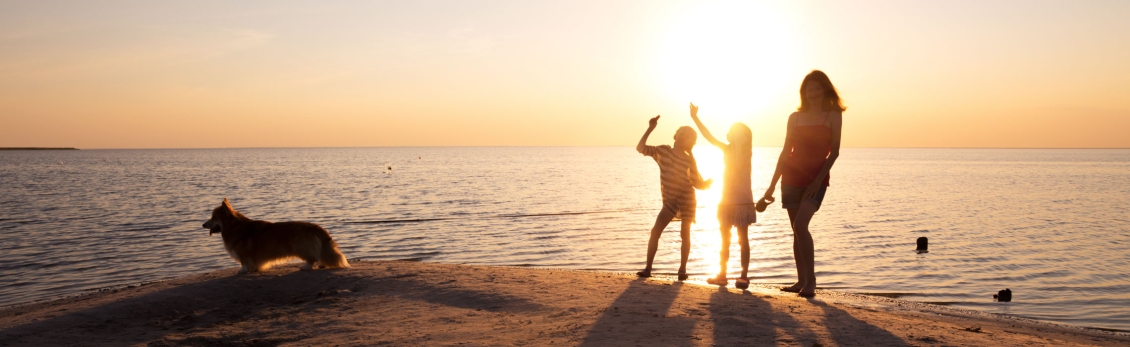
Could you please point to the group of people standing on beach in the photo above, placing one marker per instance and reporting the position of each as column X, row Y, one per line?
column 812, row 144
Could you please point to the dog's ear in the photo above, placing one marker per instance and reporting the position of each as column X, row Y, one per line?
column 226, row 206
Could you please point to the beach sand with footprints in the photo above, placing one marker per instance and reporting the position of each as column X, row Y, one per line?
column 400, row 303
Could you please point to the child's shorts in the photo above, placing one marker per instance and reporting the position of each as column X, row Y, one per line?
column 737, row 214
column 682, row 208
column 791, row 196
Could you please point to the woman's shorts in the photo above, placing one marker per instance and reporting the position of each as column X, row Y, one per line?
column 683, row 208
column 737, row 214
column 791, row 196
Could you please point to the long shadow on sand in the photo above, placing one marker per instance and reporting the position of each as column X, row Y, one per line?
column 152, row 316
column 846, row 329
column 208, row 312
column 743, row 319
column 641, row 311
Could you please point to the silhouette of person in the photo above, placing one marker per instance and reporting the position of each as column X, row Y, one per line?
column 679, row 177
column 812, row 144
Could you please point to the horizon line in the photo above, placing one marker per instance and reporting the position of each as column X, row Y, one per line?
column 484, row 146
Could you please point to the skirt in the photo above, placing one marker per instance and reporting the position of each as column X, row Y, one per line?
column 737, row 214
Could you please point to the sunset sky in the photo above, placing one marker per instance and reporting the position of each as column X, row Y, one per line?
column 159, row 74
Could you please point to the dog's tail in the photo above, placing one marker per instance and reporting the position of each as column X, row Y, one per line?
column 331, row 257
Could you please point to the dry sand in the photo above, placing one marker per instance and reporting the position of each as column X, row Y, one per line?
column 409, row 304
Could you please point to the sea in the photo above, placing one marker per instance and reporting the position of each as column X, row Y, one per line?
column 1051, row 225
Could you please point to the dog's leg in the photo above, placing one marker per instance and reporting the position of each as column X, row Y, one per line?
column 309, row 266
column 248, row 266
column 242, row 269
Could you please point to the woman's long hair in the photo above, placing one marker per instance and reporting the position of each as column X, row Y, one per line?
column 831, row 96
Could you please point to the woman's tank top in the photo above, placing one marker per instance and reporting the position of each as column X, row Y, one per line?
column 811, row 146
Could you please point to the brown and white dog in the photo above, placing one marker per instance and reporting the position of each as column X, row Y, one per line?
column 257, row 245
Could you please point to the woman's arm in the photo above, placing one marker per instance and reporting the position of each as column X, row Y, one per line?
column 837, row 124
column 643, row 141
column 702, row 128
column 780, row 170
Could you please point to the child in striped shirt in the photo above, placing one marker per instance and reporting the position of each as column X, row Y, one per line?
column 679, row 177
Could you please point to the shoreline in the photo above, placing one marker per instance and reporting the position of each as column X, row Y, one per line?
column 410, row 303
column 38, row 149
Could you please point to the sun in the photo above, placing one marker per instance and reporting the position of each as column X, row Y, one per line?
column 731, row 58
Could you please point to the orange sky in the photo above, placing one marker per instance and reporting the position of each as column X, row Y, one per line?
column 148, row 74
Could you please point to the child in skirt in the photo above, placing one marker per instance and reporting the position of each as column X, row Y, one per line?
column 736, row 209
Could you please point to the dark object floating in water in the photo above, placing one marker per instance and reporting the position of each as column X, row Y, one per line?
column 1004, row 295
column 922, row 245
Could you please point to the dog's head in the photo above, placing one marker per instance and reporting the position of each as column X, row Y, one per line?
column 220, row 215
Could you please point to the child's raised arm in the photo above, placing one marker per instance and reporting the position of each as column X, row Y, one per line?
column 702, row 128
column 643, row 141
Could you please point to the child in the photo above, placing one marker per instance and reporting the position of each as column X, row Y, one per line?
column 678, row 176
column 736, row 208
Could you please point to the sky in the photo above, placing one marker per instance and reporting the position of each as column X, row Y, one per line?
column 219, row 74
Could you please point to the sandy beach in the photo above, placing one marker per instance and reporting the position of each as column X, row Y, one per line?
column 412, row 303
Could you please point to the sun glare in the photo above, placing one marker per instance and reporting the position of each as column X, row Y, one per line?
column 730, row 58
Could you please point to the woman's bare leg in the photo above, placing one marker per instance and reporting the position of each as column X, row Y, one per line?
column 805, row 247
column 796, row 257
column 661, row 222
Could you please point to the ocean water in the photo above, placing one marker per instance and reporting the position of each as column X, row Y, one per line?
column 1051, row 225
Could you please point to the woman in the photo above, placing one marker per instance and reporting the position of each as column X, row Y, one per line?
column 812, row 144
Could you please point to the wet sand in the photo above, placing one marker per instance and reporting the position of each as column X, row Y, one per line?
column 411, row 303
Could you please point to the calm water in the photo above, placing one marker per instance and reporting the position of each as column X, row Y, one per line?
column 1052, row 225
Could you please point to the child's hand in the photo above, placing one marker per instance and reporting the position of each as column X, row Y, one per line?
column 694, row 111
column 654, row 121
column 704, row 185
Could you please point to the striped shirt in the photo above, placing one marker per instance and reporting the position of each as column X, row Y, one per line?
column 677, row 171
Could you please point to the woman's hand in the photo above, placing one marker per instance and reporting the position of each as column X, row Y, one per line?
column 812, row 190
column 694, row 111
column 653, row 122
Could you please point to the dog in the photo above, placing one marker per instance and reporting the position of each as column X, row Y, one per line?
column 257, row 245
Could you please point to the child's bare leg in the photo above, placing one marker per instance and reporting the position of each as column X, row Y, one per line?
column 685, row 235
column 661, row 222
column 743, row 240
column 724, row 254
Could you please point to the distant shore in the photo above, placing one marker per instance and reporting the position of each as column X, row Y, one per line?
column 38, row 149
column 410, row 303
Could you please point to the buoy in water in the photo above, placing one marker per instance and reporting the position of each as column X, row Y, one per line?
column 922, row 245
column 1004, row 295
